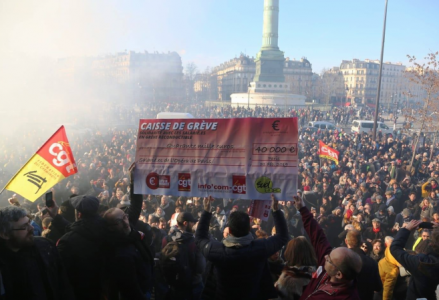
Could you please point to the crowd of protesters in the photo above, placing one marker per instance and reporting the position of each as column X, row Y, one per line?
column 359, row 229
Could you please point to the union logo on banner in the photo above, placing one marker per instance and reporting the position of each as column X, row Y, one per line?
column 49, row 165
column 239, row 184
column 327, row 152
column 184, row 182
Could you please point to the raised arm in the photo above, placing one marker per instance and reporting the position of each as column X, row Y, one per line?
column 410, row 262
column 315, row 232
column 136, row 200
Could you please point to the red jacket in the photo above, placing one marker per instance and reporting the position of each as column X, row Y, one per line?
column 321, row 288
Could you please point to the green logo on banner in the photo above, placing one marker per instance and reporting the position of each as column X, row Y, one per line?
column 265, row 185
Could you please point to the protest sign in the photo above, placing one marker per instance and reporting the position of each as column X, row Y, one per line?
column 49, row 165
column 247, row 158
column 260, row 209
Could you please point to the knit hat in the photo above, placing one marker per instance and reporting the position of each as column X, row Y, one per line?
column 87, row 205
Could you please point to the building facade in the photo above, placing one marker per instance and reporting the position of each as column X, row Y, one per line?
column 361, row 82
column 131, row 76
column 149, row 76
column 235, row 75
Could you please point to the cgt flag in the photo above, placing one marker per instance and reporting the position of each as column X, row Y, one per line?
column 327, row 152
column 48, row 166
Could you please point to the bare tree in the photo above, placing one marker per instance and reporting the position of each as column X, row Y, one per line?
column 190, row 71
column 426, row 77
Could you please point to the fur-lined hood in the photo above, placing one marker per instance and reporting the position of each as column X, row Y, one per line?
column 292, row 281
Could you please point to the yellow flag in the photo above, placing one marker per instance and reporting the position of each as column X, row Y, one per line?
column 49, row 165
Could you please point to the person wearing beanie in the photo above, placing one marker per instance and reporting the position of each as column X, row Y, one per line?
column 82, row 246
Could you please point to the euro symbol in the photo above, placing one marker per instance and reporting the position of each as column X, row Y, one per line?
column 275, row 125
column 293, row 149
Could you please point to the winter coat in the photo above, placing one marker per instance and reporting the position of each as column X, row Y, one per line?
column 129, row 267
column 242, row 272
column 34, row 273
column 427, row 212
column 320, row 288
column 292, row 281
column 369, row 234
column 424, row 268
column 130, row 260
column 81, row 250
column 389, row 273
column 198, row 262
column 368, row 280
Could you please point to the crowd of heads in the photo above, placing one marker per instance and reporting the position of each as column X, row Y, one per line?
column 361, row 201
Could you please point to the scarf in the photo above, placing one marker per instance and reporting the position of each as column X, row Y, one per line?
column 376, row 230
column 238, row 242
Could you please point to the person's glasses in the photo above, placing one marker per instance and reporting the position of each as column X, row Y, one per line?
column 26, row 226
column 328, row 259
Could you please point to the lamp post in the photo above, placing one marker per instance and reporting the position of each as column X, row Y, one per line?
column 248, row 96
column 380, row 76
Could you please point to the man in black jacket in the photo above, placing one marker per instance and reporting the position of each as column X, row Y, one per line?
column 130, row 260
column 30, row 267
column 184, row 235
column 368, row 280
column 239, row 261
column 82, row 248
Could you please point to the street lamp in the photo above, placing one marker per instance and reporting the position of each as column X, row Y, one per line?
column 380, row 76
column 248, row 96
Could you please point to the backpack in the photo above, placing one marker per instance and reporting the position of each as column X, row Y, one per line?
column 176, row 265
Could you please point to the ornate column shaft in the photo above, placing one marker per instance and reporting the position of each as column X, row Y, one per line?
column 271, row 24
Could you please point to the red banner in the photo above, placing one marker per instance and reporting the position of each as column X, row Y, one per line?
column 327, row 152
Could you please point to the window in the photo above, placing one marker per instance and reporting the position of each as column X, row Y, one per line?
column 367, row 125
column 384, row 126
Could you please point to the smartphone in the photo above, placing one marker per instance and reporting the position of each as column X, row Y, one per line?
column 49, row 200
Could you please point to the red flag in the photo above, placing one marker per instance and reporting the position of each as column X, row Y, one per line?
column 327, row 152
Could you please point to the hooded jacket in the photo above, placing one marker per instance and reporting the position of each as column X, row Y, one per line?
column 292, row 281
column 389, row 273
column 198, row 262
column 424, row 268
column 242, row 270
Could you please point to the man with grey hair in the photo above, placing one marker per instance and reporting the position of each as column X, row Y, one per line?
column 30, row 266
column 388, row 241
